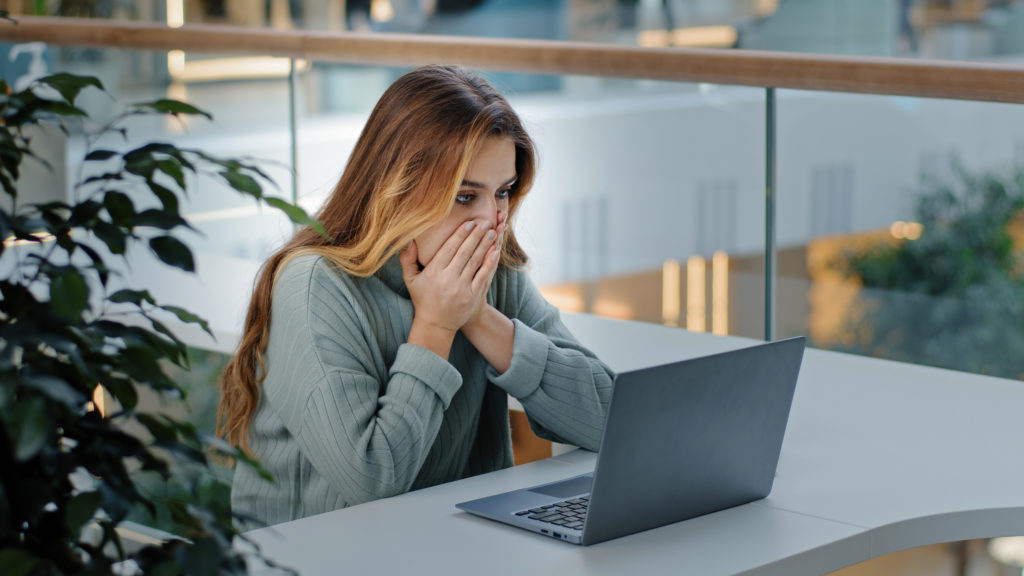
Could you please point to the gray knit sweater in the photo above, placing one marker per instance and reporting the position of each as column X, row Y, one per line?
column 350, row 412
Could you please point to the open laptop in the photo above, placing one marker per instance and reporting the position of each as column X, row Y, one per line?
column 680, row 440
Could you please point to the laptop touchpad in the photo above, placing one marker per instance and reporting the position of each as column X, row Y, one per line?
column 566, row 488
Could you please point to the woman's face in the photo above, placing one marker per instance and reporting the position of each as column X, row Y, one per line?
column 482, row 197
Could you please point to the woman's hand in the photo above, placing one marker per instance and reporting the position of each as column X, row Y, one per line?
column 451, row 288
column 490, row 331
column 495, row 252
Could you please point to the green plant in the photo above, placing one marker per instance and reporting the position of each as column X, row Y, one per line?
column 954, row 297
column 68, row 474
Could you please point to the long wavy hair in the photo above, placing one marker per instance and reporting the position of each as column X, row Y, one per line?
column 400, row 180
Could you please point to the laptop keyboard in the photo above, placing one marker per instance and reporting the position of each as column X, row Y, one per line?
column 567, row 514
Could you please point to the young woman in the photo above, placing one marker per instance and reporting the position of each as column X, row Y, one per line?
column 379, row 359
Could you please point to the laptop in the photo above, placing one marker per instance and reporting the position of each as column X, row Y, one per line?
column 680, row 440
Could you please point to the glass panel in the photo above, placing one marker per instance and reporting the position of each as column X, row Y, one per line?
column 901, row 228
column 250, row 120
column 633, row 174
column 642, row 183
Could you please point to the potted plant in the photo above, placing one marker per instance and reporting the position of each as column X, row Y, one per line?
column 68, row 473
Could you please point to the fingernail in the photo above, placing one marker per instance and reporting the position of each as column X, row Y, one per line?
column 487, row 225
column 490, row 234
column 469, row 225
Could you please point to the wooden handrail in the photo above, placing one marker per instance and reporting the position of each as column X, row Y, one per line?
column 866, row 75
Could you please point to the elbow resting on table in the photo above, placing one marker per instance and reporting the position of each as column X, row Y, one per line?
column 380, row 471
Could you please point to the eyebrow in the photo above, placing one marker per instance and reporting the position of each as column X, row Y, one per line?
column 472, row 184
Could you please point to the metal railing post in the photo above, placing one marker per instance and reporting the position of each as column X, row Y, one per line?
column 293, row 130
column 770, row 264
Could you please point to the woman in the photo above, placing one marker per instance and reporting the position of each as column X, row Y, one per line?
column 377, row 359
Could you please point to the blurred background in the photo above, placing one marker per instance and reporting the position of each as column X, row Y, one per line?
column 899, row 220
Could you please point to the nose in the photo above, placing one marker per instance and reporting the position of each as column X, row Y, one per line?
column 490, row 211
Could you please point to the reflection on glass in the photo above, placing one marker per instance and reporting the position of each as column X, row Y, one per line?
column 902, row 230
column 720, row 293
column 945, row 291
column 696, row 294
column 641, row 183
column 670, row 294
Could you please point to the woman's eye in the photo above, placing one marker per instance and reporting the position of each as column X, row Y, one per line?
column 503, row 194
column 464, row 198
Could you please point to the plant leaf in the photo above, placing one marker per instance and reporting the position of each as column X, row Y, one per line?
column 243, row 183
column 167, row 196
column 123, row 390
column 117, row 505
column 112, row 236
column 80, row 509
column 8, row 382
column 120, row 207
column 103, row 177
column 202, row 558
column 17, row 562
column 69, row 295
column 159, row 426
column 136, row 297
column 98, row 264
column 188, row 317
column 56, row 389
column 141, row 162
column 84, row 212
column 5, row 227
column 62, row 109
column 296, row 214
column 172, row 251
column 174, row 107
column 100, row 155
column 183, row 451
column 173, row 169
column 161, row 219
column 31, row 424
column 181, row 356
column 69, row 85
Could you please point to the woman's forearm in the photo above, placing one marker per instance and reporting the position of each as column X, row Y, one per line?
column 492, row 334
column 434, row 338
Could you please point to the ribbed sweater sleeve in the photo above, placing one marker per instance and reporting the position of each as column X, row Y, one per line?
column 563, row 387
column 350, row 411
column 366, row 429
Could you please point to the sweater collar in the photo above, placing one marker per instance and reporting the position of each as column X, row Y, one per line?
column 391, row 275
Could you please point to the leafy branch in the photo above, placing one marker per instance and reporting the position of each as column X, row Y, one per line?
column 69, row 473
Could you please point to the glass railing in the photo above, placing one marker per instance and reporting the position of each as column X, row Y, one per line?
column 650, row 204
column 903, row 220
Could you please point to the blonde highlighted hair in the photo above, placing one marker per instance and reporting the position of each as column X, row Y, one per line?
column 400, row 180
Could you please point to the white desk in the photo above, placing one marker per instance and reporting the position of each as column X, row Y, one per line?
column 878, row 457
